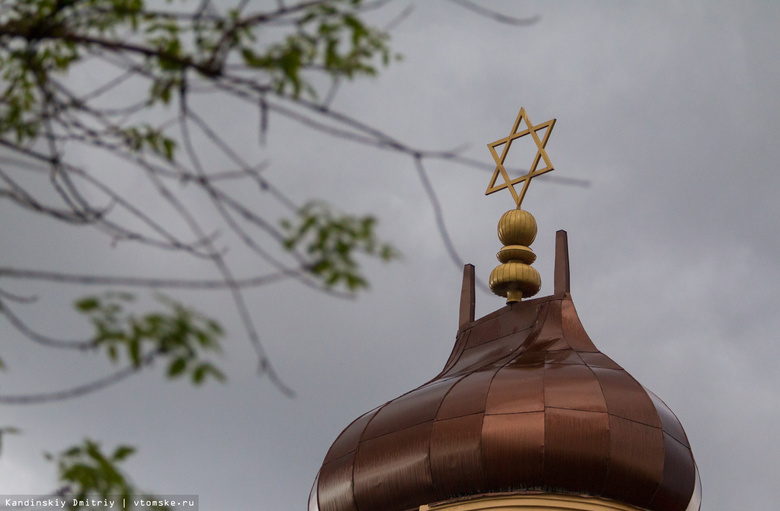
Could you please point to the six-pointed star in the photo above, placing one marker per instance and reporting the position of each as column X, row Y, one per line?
column 533, row 171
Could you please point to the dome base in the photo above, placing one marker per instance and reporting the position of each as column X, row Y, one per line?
column 532, row 502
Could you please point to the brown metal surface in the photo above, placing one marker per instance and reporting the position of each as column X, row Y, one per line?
column 525, row 403
column 573, row 387
column 516, row 389
column 394, row 468
column 678, row 480
column 467, row 297
column 576, row 450
column 631, row 441
column 669, row 421
column 414, row 408
column 455, row 444
column 561, row 278
column 473, row 358
column 348, row 440
column 513, row 451
column 334, row 485
column 466, row 397
column 625, row 397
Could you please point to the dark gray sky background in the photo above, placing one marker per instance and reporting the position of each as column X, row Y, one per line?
column 669, row 109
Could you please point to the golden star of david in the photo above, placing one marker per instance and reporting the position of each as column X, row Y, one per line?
column 541, row 154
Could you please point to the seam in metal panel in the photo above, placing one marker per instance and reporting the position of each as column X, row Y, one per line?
column 373, row 410
column 609, row 430
column 482, row 425
column 568, row 409
column 660, row 479
column 357, row 449
column 461, row 340
column 430, row 440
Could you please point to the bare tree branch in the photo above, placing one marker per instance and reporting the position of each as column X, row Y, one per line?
column 145, row 282
column 496, row 16
column 44, row 340
column 440, row 224
column 79, row 390
column 161, row 133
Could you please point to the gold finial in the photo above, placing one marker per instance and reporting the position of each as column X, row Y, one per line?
column 514, row 278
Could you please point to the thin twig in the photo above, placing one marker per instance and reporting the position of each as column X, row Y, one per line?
column 146, row 282
column 440, row 223
column 80, row 390
column 497, row 16
column 44, row 340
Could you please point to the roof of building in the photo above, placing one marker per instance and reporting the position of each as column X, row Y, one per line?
column 526, row 403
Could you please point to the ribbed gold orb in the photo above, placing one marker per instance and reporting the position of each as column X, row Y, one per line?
column 517, row 227
column 515, row 280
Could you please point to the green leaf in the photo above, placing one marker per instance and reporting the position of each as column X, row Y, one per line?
column 89, row 473
column 73, row 451
column 176, row 368
column 113, row 353
column 332, row 241
column 134, row 349
column 122, row 452
column 199, row 374
column 88, row 304
column 202, row 371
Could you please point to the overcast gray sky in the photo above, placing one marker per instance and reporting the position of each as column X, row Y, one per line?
column 669, row 109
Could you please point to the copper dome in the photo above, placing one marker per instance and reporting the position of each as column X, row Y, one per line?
column 526, row 403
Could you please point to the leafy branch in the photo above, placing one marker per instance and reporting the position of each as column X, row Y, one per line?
column 143, row 114
column 89, row 474
column 331, row 240
column 181, row 336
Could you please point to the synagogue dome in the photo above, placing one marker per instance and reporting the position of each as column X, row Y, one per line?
column 526, row 407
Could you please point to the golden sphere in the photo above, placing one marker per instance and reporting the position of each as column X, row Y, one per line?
column 517, row 227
